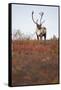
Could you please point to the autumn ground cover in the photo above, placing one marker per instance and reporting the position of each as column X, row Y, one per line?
column 35, row 62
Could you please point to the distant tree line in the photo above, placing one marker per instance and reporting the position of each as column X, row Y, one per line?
column 18, row 35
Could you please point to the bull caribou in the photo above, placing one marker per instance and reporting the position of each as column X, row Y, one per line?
column 40, row 30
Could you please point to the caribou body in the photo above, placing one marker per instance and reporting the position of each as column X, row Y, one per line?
column 40, row 31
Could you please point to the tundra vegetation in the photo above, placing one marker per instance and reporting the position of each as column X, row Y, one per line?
column 34, row 61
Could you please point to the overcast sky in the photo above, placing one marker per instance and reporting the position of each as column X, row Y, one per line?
column 22, row 19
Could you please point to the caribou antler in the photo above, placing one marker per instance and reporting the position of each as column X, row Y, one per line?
column 33, row 18
column 41, row 14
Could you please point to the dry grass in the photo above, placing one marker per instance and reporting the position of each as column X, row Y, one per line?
column 34, row 62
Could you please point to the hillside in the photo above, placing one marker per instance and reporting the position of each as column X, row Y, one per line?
column 34, row 62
